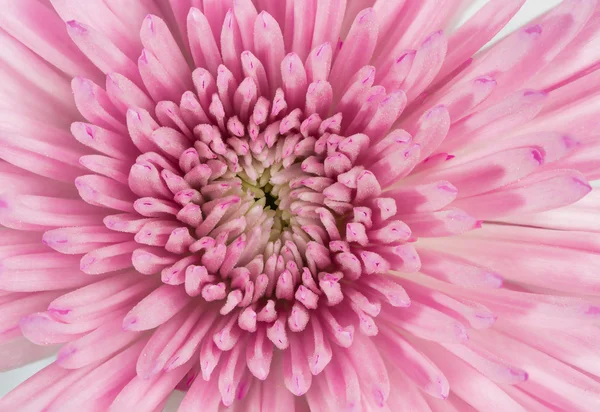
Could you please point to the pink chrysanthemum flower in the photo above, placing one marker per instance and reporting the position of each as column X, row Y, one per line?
column 298, row 205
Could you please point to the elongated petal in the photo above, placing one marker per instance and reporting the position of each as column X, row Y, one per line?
column 156, row 308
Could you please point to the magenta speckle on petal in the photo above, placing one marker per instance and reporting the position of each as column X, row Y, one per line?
column 535, row 29
column 593, row 310
column 78, row 27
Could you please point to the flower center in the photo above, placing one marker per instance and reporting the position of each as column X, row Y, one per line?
column 267, row 195
column 245, row 189
column 271, row 200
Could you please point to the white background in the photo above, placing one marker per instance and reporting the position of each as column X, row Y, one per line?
column 531, row 9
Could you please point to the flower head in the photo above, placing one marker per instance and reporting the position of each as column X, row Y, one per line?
column 303, row 205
